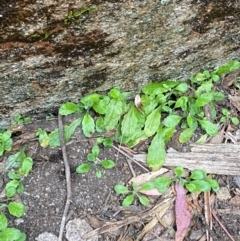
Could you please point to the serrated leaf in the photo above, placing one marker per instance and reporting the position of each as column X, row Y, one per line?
column 162, row 183
column 172, row 120
column 204, row 99
column 26, row 166
column 143, row 200
column 152, row 123
column 68, row 108
column 10, row 234
column 15, row 160
column 178, row 171
column 186, row 135
column 10, row 191
column 16, row 209
column 156, row 152
column 120, row 189
column 90, row 99
column 107, row 164
column 153, row 89
column 209, row 127
column 88, row 125
column 3, row 222
column 128, row 200
column 101, row 106
column 83, row 168
column 198, row 186
column 198, row 174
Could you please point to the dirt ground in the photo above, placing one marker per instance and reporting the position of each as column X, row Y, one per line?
column 45, row 193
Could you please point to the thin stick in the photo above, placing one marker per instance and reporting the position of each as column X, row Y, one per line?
column 67, row 176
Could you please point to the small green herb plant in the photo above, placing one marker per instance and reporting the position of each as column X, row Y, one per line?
column 94, row 160
column 5, row 141
column 19, row 165
column 196, row 182
column 227, row 117
column 18, row 119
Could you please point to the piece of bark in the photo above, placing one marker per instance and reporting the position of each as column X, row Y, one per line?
column 222, row 159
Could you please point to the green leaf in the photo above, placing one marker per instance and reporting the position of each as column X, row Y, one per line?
column 213, row 183
column 152, row 123
column 15, row 160
column 89, row 100
column 88, row 125
column 202, row 139
column 200, row 77
column 172, row 120
column 100, row 140
column 100, row 124
column 3, row 222
column 186, row 135
column 98, row 173
column 153, row 89
column 198, row 186
column 120, row 189
column 203, row 88
column 13, row 175
column 10, row 234
column 215, row 78
column 114, row 111
column 156, row 152
column 83, row 168
column 108, row 164
column 192, row 123
column 95, row 150
column 68, row 108
column 143, row 200
column 115, row 93
column 198, row 174
column 204, row 99
column 128, row 200
column 178, row 171
column 167, row 133
column 108, row 142
column 91, row 157
column 70, row 129
column 11, row 188
column 227, row 68
column 235, row 121
column 42, row 137
column 209, row 127
column 217, row 96
column 101, row 106
column 26, row 166
column 147, row 186
column 149, row 103
column 16, row 209
column 54, row 139
column 183, row 87
column 162, row 183
column 182, row 102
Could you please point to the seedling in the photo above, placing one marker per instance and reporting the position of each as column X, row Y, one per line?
column 131, row 194
column 5, row 142
column 94, row 160
column 18, row 119
column 227, row 117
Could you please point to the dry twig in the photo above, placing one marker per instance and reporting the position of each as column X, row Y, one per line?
column 67, row 175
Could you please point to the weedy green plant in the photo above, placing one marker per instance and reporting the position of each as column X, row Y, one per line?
column 131, row 195
column 198, row 181
column 5, row 142
column 19, row 165
column 94, row 160
column 18, row 119
column 227, row 117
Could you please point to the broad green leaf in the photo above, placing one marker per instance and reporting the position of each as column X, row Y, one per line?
column 213, row 183
column 54, row 139
column 167, row 133
column 183, row 87
column 68, row 108
column 15, row 160
column 11, row 191
column 162, row 183
column 198, row 78
column 206, row 73
column 143, row 200
column 203, row 88
column 147, row 186
column 100, row 124
column 16, row 209
column 98, row 173
column 235, row 120
column 198, row 186
column 186, row 135
column 100, row 140
column 91, row 157
column 218, row 96
column 227, row 68
column 10, row 234
column 202, row 139
column 42, row 137
column 95, row 150
column 26, row 166
column 149, row 103
column 70, row 129
column 152, row 123
column 138, row 136
column 192, row 122
column 172, row 120
column 153, row 89
column 20, row 188
column 215, row 78
column 6, row 135
column 108, row 142
column 178, row 171
column 101, row 106
column 156, row 152
column 83, row 168
column 209, row 127
column 115, row 110
column 88, row 125
column 198, row 174
column 120, row 189
column 115, row 93
column 204, row 99
column 3, row 222
column 13, row 175
column 128, row 200
column 182, row 102
column 107, row 164
column 89, row 100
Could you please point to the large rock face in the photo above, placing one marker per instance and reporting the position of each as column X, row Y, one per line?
column 52, row 51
